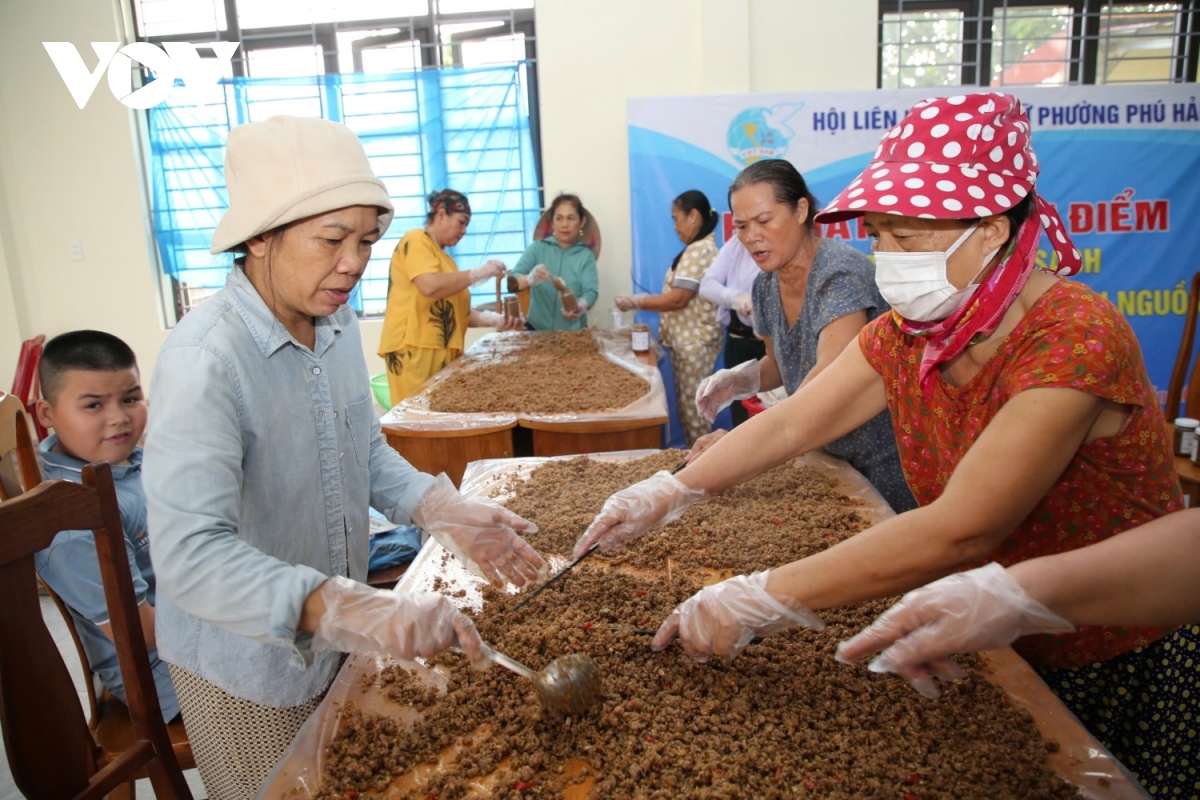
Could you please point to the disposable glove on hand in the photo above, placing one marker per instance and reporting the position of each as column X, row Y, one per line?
column 744, row 304
column 488, row 269
column 538, row 274
column 480, row 534
column 982, row 609
column 629, row 302
column 490, row 319
column 402, row 624
column 634, row 510
column 581, row 309
column 720, row 389
column 720, row 620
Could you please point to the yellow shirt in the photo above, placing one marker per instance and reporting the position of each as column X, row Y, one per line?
column 411, row 318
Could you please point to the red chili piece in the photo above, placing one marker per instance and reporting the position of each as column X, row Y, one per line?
column 641, row 592
column 912, row 778
column 519, row 785
column 351, row 794
column 649, row 738
column 587, row 626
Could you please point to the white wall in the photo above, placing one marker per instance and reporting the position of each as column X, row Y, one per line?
column 594, row 55
column 68, row 174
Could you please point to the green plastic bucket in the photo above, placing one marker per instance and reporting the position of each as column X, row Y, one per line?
column 379, row 388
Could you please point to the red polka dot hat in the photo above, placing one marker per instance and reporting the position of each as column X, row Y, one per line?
column 955, row 157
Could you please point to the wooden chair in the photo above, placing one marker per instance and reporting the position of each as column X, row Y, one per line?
column 1189, row 474
column 108, row 718
column 18, row 457
column 50, row 750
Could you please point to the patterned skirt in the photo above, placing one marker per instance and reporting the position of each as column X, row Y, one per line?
column 235, row 742
column 1144, row 706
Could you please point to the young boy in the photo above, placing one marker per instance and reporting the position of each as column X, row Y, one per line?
column 92, row 397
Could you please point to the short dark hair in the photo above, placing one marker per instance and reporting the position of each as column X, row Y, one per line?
column 785, row 180
column 696, row 200
column 573, row 199
column 95, row 351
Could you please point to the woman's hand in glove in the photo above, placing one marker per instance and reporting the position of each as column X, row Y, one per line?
column 488, row 269
column 744, row 304
column 480, row 534
column 629, row 302
column 538, row 274
column 981, row 609
column 720, row 620
column 720, row 389
column 580, row 309
column 402, row 624
column 632, row 511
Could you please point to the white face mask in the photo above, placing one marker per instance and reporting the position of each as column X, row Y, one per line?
column 916, row 286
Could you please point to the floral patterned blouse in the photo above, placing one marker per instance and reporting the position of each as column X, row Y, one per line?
column 1071, row 338
column 695, row 323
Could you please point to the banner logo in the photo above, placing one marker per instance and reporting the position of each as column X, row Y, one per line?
column 173, row 60
column 758, row 133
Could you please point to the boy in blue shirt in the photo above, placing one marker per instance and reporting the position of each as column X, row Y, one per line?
column 92, row 397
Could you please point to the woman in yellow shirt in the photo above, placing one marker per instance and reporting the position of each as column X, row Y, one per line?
column 429, row 299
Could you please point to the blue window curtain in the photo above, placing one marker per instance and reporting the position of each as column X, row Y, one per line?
column 467, row 129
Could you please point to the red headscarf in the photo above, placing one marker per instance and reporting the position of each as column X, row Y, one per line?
column 961, row 157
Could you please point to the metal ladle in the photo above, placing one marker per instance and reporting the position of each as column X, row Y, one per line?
column 568, row 685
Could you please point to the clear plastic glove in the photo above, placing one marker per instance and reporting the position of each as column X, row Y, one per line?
column 490, row 319
column 488, row 269
column 538, row 274
column 402, row 624
column 581, row 309
column 720, row 620
column 480, row 534
column 744, row 304
column 720, row 389
column 632, row 511
column 982, row 609
column 629, row 302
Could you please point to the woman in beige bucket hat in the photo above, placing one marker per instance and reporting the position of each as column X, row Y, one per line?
column 263, row 455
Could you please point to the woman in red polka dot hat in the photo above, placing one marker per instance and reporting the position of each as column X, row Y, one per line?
column 1025, row 420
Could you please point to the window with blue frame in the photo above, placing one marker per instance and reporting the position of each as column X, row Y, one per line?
column 442, row 93
column 467, row 129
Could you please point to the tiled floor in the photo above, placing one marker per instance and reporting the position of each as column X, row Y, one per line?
column 8, row 790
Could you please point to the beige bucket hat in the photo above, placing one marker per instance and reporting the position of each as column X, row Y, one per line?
column 289, row 168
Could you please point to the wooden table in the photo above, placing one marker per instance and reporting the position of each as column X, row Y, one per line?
column 441, row 445
column 1080, row 759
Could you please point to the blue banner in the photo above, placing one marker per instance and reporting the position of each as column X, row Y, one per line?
column 1119, row 162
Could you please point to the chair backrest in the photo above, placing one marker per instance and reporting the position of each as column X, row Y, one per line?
column 10, row 407
column 20, row 472
column 1179, row 375
column 49, row 747
column 25, row 383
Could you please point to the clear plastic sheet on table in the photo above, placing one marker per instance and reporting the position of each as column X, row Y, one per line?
column 1080, row 759
column 413, row 413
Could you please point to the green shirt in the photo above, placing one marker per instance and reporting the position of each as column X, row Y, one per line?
column 575, row 265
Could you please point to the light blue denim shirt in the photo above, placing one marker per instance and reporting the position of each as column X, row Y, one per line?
column 261, row 460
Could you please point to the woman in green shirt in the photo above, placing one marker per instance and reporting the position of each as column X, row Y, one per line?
column 564, row 256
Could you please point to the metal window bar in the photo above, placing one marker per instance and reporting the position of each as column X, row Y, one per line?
column 952, row 42
column 181, row 181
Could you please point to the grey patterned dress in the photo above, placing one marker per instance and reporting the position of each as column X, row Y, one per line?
column 841, row 282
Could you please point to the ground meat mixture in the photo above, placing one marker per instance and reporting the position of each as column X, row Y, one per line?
column 783, row 720
column 558, row 372
column 782, row 515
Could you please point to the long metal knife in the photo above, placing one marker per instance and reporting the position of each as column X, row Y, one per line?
column 556, row 576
